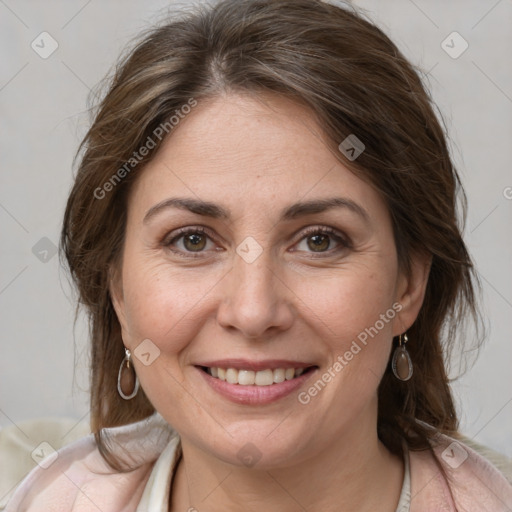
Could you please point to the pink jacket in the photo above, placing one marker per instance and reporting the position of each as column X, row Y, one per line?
column 77, row 479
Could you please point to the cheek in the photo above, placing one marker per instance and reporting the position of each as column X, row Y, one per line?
column 352, row 315
column 346, row 303
column 163, row 303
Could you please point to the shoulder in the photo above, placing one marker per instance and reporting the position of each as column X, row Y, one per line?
column 455, row 476
column 76, row 477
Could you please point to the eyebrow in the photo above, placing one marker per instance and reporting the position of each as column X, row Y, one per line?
column 209, row 209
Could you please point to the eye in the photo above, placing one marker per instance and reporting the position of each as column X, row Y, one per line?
column 189, row 240
column 321, row 240
column 193, row 241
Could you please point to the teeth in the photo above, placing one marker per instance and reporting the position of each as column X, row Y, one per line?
column 279, row 375
column 246, row 377
column 264, row 378
column 231, row 376
column 259, row 378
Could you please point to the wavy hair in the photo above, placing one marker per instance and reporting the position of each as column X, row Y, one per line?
column 355, row 81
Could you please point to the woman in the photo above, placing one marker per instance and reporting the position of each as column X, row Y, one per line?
column 263, row 229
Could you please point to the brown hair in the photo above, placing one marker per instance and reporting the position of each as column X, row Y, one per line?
column 355, row 81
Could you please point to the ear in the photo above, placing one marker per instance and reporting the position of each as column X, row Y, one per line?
column 411, row 289
column 115, row 288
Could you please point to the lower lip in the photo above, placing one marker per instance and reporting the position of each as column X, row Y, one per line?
column 255, row 395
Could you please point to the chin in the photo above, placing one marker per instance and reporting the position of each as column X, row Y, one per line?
column 259, row 444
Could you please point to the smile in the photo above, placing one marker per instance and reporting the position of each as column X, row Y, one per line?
column 256, row 386
column 265, row 377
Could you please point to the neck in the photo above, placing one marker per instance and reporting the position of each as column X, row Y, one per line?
column 355, row 473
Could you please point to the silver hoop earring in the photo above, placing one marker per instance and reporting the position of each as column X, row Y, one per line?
column 401, row 364
column 127, row 380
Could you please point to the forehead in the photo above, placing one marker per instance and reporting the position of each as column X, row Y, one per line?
column 248, row 150
column 263, row 133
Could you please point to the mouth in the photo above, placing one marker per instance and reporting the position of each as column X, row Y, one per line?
column 255, row 383
column 248, row 377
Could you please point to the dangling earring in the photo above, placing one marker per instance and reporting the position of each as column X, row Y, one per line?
column 401, row 363
column 127, row 380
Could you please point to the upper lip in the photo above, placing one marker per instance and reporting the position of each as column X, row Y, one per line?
column 246, row 364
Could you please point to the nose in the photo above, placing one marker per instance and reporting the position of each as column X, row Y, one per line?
column 255, row 300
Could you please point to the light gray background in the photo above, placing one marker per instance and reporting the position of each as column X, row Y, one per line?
column 43, row 118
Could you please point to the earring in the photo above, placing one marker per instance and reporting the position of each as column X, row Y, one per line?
column 401, row 364
column 127, row 380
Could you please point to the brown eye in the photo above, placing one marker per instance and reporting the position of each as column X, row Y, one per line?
column 323, row 240
column 194, row 242
column 318, row 243
column 188, row 241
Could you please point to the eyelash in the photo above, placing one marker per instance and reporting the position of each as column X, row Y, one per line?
column 342, row 240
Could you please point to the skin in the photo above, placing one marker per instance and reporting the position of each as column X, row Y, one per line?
column 255, row 157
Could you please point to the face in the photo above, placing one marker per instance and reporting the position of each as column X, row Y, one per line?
column 253, row 255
